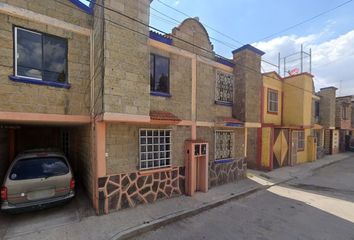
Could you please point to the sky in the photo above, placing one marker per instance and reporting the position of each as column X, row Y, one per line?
column 330, row 36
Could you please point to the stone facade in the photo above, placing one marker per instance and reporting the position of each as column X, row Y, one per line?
column 24, row 97
column 81, row 153
column 126, row 54
column 227, row 172
column 343, row 104
column 130, row 189
column 180, row 84
column 327, row 106
column 122, row 146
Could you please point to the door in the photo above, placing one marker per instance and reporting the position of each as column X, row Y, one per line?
column 280, row 148
column 294, row 139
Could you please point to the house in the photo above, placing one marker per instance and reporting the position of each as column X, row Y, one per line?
column 325, row 115
column 141, row 116
column 286, row 135
column 344, row 121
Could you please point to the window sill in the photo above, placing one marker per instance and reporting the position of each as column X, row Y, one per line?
column 228, row 104
column 221, row 161
column 152, row 171
column 273, row 113
column 39, row 82
column 160, row 94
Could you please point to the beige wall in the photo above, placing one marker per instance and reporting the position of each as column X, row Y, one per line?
column 207, row 110
column 180, row 87
column 23, row 97
column 122, row 146
column 127, row 64
column 208, row 134
column 81, row 152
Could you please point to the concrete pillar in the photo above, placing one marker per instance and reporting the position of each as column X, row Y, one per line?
column 247, row 97
column 248, row 84
column 327, row 106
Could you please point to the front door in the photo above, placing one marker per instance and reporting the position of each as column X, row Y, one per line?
column 280, row 148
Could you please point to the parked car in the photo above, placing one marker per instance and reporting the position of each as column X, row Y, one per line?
column 37, row 179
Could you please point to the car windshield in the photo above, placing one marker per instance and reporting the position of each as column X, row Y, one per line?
column 42, row 167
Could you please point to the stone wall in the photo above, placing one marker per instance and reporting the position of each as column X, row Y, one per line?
column 81, row 154
column 327, row 106
column 248, row 79
column 24, row 97
column 221, row 173
column 130, row 189
column 122, row 146
column 180, row 87
column 252, row 147
column 98, row 59
column 127, row 64
column 207, row 110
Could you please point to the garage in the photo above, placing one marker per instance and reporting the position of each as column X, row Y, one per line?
column 73, row 140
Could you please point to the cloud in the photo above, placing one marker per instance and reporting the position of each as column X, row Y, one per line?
column 177, row 2
column 332, row 59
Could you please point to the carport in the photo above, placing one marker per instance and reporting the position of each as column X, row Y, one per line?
column 70, row 134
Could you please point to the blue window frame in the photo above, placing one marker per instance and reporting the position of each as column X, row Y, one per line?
column 40, row 57
column 86, row 5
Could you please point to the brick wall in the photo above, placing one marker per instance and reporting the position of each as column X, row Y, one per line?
column 24, row 97
column 342, row 102
column 122, row 146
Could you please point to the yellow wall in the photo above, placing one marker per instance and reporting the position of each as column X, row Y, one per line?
column 266, row 138
column 298, row 92
column 269, row 82
column 303, row 156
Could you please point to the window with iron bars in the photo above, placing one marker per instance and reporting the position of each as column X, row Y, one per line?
column 224, row 145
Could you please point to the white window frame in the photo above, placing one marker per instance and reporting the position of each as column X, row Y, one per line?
column 153, row 152
column 269, row 91
column 16, row 53
column 216, row 86
column 232, row 144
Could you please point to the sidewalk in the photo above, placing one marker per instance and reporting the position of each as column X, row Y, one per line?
column 130, row 222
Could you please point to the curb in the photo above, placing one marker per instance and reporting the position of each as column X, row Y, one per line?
column 155, row 224
column 163, row 221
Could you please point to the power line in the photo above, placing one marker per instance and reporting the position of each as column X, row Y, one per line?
column 211, row 28
column 304, row 21
column 192, row 44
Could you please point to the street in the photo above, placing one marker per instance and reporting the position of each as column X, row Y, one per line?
column 320, row 206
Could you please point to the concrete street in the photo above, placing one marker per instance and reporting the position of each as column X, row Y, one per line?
column 320, row 206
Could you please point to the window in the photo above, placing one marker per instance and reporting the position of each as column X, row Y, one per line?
column 155, row 148
column 317, row 111
column 33, row 168
column 40, row 56
column 159, row 74
column 223, row 145
column 224, row 89
column 272, row 101
column 301, row 140
column 344, row 113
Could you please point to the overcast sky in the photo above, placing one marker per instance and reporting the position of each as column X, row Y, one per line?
column 330, row 36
